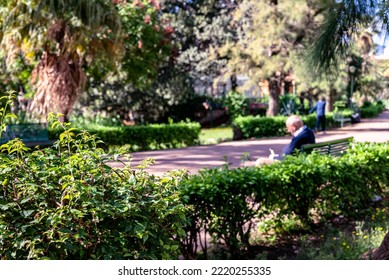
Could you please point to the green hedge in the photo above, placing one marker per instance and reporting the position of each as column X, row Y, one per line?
column 371, row 110
column 226, row 201
column 257, row 126
column 145, row 137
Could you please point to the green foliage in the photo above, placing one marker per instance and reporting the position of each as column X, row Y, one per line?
column 270, row 41
column 257, row 126
column 6, row 102
column 143, row 137
column 289, row 105
column 147, row 43
column 371, row 110
column 66, row 202
column 237, row 104
column 340, row 245
column 313, row 187
column 224, row 203
column 342, row 21
column 215, row 135
column 200, row 28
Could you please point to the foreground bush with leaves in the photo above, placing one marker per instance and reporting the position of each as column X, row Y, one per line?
column 65, row 202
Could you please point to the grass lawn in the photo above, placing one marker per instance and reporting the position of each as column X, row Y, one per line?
column 215, row 135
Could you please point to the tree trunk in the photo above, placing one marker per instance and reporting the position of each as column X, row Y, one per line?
column 58, row 81
column 382, row 253
column 274, row 97
column 331, row 99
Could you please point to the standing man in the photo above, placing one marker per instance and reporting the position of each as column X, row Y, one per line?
column 320, row 109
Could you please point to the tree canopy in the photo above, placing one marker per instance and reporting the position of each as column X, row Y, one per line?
column 344, row 21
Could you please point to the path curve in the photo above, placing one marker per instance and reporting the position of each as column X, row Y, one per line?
column 198, row 157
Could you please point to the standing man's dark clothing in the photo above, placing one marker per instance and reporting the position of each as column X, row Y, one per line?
column 320, row 109
column 302, row 136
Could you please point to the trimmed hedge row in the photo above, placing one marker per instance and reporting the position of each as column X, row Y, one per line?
column 226, row 202
column 257, row 126
column 144, row 137
column 372, row 110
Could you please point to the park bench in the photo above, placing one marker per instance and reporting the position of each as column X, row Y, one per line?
column 334, row 147
column 338, row 117
column 32, row 134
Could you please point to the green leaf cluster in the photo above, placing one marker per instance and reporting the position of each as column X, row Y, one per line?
column 308, row 187
column 66, row 202
column 371, row 110
column 144, row 137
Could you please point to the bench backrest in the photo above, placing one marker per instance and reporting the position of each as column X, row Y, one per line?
column 335, row 147
column 33, row 132
column 338, row 116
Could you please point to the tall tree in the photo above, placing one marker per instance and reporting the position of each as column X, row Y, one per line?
column 200, row 28
column 272, row 34
column 59, row 38
column 147, row 52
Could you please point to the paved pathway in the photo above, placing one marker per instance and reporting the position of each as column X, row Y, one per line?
column 198, row 157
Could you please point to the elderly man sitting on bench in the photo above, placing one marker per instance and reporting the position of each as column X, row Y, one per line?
column 301, row 135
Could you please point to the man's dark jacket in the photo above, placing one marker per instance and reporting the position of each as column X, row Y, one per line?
column 304, row 137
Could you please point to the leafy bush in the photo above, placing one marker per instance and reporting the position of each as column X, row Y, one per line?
column 144, row 137
column 236, row 104
column 226, row 201
column 370, row 110
column 223, row 203
column 289, row 105
column 257, row 126
column 66, row 202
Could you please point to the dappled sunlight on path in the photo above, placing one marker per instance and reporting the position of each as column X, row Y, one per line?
column 198, row 157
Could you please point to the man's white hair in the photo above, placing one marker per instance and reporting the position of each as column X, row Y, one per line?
column 295, row 121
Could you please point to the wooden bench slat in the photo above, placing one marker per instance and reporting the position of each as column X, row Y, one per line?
column 334, row 147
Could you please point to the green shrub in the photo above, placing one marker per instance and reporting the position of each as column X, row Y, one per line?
column 223, row 203
column 237, row 104
column 144, row 137
column 371, row 110
column 257, row 126
column 66, row 202
column 310, row 187
column 289, row 105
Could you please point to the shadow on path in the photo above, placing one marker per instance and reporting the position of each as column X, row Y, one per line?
column 199, row 157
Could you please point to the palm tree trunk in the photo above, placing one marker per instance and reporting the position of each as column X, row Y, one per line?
column 58, row 81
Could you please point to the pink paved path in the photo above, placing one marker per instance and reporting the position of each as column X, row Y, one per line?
column 198, row 157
